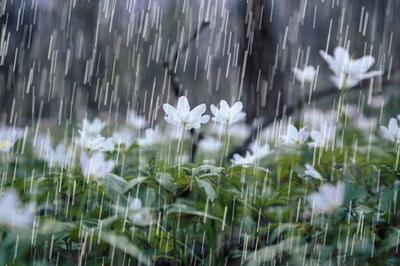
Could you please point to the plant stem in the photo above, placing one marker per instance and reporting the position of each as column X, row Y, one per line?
column 226, row 144
column 342, row 95
column 179, row 149
column 175, row 246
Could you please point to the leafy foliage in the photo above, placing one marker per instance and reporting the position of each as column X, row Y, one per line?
column 210, row 213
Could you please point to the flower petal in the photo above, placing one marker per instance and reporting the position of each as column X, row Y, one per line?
column 183, row 106
column 393, row 126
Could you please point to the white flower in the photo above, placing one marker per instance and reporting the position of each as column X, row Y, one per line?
column 92, row 128
column 124, row 136
column 173, row 133
column 377, row 102
column 183, row 158
column 210, row 145
column 260, row 151
column 238, row 131
column 240, row 160
column 311, row 171
column 96, row 142
column 151, row 137
column 108, row 145
column 42, row 146
column 305, row 75
column 351, row 111
column 322, row 137
column 226, row 115
column 13, row 214
column 141, row 216
column 294, row 137
column 182, row 116
column 136, row 121
column 327, row 199
column 256, row 152
column 8, row 137
column 59, row 157
column 365, row 123
column 314, row 118
column 95, row 166
column 91, row 139
column 392, row 132
column 349, row 72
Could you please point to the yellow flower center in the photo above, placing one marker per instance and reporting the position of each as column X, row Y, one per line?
column 5, row 144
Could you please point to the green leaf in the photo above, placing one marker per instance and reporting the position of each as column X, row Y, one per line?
column 166, row 181
column 115, row 188
column 54, row 227
column 391, row 241
column 184, row 210
column 114, row 182
column 207, row 188
column 122, row 243
column 267, row 254
column 134, row 182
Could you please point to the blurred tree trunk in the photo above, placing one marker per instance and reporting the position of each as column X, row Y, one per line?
column 263, row 79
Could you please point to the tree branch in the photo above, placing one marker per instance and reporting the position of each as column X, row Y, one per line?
column 176, row 84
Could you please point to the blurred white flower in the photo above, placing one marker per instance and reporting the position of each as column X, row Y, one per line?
column 311, row 171
column 392, row 132
column 93, row 128
column 256, row 152
column 351, row 111
column 365, row 123
column 95, row 166
column 13, row 214
column 124, row 136
column 91, row 138
column 239, row 131
column 96, row 142
column 240, row 160
column 294, row 137
column 173, row 133
column 259, row 151
column 210, row 144
column 226, row 115
column 42, row 145
column 377, row 102
column 327, row 199
column 60, row 156
column 306, row 75
column 183, row 158
column 151, row 137
column 323, row 137
column 136, row 121
column 141, row 216
column 349, row 72
column 183, row 117
column 8, row 137
column 315, row 118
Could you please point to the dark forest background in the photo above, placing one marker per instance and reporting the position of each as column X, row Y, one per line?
column 65, row 59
